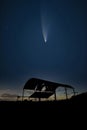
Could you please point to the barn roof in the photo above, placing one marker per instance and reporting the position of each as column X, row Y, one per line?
column 38, row 84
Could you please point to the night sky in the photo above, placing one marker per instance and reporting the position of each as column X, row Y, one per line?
column 23, row 51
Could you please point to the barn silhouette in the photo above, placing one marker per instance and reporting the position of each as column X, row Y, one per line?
column 44, row 89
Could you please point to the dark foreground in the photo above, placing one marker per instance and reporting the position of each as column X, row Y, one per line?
column 76, row 104
column 48, row 111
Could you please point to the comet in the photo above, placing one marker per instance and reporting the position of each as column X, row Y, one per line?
column 44, row 24
column 44, row 33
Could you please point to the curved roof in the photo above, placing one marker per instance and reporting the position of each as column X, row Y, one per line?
column 38, row 84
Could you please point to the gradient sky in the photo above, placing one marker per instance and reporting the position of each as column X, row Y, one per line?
column 23, row 52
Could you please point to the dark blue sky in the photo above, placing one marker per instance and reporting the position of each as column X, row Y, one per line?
column 23, row 52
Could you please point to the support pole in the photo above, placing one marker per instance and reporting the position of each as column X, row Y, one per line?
column 18, row 98
column 66, row 93
column 23, row 95
column 55, row 95
column 74, row 91
column 39, row 99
